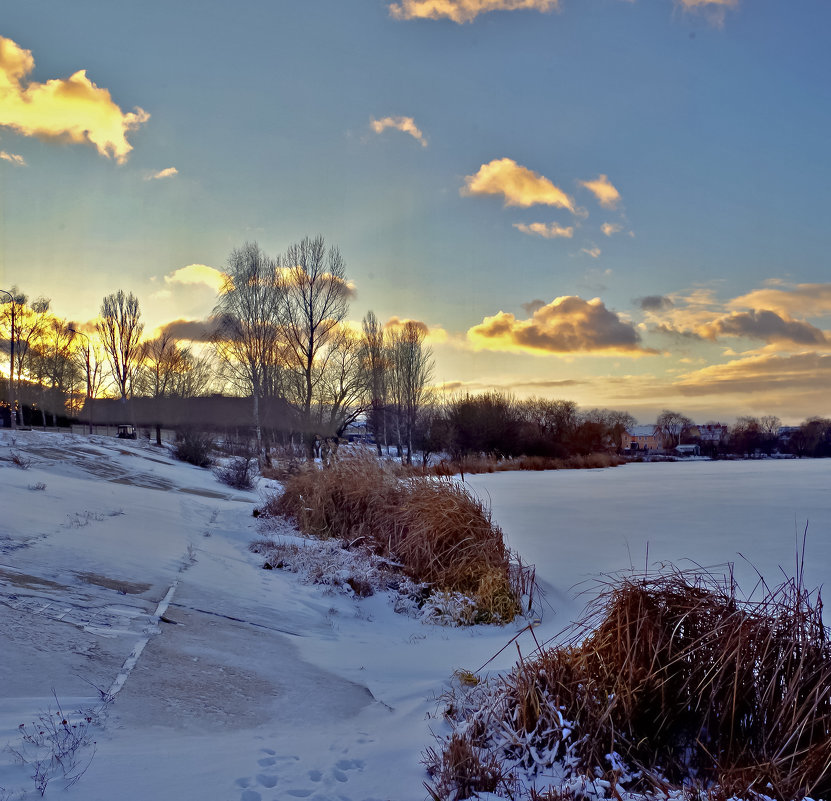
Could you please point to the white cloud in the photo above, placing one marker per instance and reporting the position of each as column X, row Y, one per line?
column 603, row 189
column 166, row 173
column 14, row 158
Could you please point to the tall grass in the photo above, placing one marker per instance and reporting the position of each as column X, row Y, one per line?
column 436, row 530
column 675, row 677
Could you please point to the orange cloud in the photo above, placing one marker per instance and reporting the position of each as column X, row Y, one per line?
column 464, row 10
column 434, row 335
column 609, row 229
column 547, row 231
column 404, row 124
column 566, row 325
column 765, row 325
column 518, row 185
column 603, row 189
column 73, row 109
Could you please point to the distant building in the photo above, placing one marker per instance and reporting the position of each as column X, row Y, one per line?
column 711, row 433
column 642, row 438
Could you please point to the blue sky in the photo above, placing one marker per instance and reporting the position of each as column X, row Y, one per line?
column 623, row 203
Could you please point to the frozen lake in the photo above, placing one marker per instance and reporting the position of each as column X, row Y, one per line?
column 575, row 524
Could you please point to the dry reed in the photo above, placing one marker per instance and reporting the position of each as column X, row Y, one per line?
column 437, row 530
column 670, row 677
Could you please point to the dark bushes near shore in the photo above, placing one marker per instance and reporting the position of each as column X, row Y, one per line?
column 437, row 531
column 195, row 448
column 237, row 473
column 669, row 678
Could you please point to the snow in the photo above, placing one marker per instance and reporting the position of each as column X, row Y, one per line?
column 130, row 573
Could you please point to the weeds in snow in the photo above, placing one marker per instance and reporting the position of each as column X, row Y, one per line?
column 237, row 473
column 38, row 487
column 81, row 519
column 20, row 461
column 667, row 677
column 57, row 744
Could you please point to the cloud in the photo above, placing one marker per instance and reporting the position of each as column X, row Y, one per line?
column 464, row 10
column 785, row 375
column 566, row 325
column 547, row 231
column 765, row 325
column 655, row 303
column 609, row 229
column 192, row 330
column 198, row 274
column 593, row 251
column 805, row 300
column 518, row 185
column 169, row 172
column 13, row 158
column 715, row 10
column 404, row 124
column 603, row 189
column 434, row 335
column 73, row 109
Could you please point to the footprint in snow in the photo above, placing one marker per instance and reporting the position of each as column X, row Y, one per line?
column 266, row 762
column 266, row 781
column 250, row 795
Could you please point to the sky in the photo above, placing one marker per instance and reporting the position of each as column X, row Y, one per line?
column 618, row 202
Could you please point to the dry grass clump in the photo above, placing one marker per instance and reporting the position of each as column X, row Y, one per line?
column 672, row 677
column 436, row 530
column 489, row 464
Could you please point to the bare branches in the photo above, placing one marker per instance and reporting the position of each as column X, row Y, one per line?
column 120, row 330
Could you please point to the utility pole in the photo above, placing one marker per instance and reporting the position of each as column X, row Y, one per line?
column 11, row 361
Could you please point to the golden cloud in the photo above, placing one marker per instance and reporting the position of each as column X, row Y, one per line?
column 169, row 172
column 73, row 109
column 805, row 300
column 464, row 10
column 603, row 189
column 518, row 185
column 547, row 231
column 593, row 251
column 567, row 325
column 198, row 274
column 609, row 229
column 788, row 376
column 404, row 124
column 14, row 158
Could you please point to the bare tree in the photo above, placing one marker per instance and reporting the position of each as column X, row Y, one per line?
column 120, row 330
column 672, row 425
column 248, row 335
column 54, row 367
column 315, row 303
column 90, row 360
column 412, row 371
column 376, row 365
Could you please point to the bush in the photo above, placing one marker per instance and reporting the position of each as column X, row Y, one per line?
column 671, row 677
column 435, row 528
column 238, row 473
column 195, row 448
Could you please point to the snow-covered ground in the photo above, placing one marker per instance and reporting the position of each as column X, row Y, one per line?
column 129, row 572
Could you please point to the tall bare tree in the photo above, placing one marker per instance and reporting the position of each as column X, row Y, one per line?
column 412, row 372
column 120, row 330
column 90, row 360
column 377, row 368
column 315, row 303
column 248, row 334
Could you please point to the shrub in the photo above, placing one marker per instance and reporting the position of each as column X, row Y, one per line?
column 435, row 528
column 238, row 473
column 195, row 448
column 671, row 677
column 18, row 460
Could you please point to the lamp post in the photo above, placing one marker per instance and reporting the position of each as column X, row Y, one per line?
column 88, row 375
column 11, row 362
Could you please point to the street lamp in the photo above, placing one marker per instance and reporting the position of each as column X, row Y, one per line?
column 88, row 375
column 11, row 362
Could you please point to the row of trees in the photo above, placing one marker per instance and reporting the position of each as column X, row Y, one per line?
column 280, row 333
